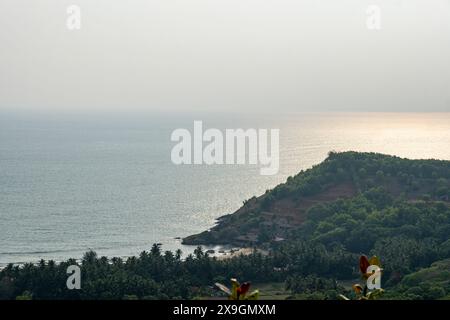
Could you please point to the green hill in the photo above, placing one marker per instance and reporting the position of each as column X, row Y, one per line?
column 428, row 283
column 313, row 229
column 343, row 194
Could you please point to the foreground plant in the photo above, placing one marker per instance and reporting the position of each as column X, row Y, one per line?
column 370, row 269
column 238, row 291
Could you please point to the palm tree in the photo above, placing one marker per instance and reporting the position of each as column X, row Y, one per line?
column 178, row 254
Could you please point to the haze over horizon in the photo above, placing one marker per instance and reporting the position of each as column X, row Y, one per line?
column 237, row 55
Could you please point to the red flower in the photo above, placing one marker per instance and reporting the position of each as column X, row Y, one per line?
column 243, row 289
column 363, row 264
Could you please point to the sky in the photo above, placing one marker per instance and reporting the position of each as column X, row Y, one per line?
column 216, row 55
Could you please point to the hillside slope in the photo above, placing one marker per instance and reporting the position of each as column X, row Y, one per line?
column 426, row 284
column 290, row 207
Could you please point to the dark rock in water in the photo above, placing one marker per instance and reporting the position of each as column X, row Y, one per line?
column 210, row 251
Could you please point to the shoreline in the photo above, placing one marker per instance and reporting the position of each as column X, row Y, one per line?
column 214, row 251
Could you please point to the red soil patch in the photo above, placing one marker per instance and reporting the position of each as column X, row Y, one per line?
column 289, row 212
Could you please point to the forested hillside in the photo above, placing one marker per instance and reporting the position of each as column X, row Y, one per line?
column 308, row 234
column 347, row 187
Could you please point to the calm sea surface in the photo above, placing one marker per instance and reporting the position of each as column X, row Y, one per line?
column 69, row 183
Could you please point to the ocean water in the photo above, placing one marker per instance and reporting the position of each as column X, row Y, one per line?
column 73, row 182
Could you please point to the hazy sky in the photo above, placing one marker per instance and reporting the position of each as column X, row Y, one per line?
column 288, row 55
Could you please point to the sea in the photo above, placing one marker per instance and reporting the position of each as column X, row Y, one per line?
column 73, row 182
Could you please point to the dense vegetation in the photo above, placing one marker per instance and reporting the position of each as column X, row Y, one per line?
column 380, row 181
column 352, row 203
